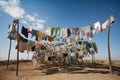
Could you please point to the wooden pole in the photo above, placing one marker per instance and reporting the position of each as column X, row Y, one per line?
column 17, row 66
column 109, row 55
column 92, row 59
column 9, row 53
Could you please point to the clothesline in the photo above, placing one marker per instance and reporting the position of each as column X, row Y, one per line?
column 62, row 33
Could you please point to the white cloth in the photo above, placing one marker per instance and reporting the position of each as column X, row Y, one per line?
column 108, row 22
column 97, row 25
column 63, row 32
column 72, row 54
column 105, row 24
column 48, row 31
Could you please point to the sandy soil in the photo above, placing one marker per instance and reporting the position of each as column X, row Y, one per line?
column 58, row 72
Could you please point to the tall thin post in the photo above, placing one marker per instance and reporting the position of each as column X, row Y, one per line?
column 92, row 59
column 9, row 53
column 17, row 66
column 109, row 55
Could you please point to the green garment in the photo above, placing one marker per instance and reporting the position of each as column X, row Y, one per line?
column 55, row 31
column 43, row 47
column 30, row 43
column 11, row 29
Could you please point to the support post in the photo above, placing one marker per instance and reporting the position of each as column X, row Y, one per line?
column 17, row 66
column 9, row 53
column 109, row 55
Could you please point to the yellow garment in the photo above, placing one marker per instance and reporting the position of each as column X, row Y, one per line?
column 40, row 35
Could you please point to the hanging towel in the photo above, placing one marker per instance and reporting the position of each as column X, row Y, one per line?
column 24, row 31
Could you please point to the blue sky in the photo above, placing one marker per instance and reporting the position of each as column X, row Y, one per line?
column 63, row 13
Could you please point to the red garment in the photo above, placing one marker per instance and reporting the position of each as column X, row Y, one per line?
column 37, row 46
column 86, row 35
column 50, row 38
column 101, row 28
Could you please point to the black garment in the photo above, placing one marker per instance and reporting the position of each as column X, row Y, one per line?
column 80, row 42
column 24, row 40
column 36, row 38
column 44, row 38
column 49, row 58
column 68, row 32
column 65, row 54
column 24, row 32
column 33, row 48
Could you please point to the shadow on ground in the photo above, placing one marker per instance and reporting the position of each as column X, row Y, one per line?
column 85, row 68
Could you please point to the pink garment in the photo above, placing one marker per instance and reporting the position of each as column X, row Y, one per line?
column 37, row 46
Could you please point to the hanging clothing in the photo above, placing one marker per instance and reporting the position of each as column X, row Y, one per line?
column 105, row 24
column 98, row 27
column 81, row 34
column 63, row 33
column 29, row 30
column 30, row 43
column 34, row 32
column 22, row 46
column 24, row 40
column 24, row 31
column 48, row 31
column 17, row 36
column 50, row 38
column 37, row 45
column 68, row 32
column 33, row 48
column 76, row 31
column 11, row 28
column 42, row 47
column 40, row 35
column 55, row 31
column 111, row 20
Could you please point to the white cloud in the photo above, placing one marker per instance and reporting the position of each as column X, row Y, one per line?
column 36, row 15
column 12, row 8
column 24, row 22
column 30, row 18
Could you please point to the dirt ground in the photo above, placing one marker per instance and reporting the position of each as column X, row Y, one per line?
column 85, row 71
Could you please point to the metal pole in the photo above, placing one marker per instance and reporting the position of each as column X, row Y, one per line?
column 17, row 66
column 109, row 55
column 9, row 53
